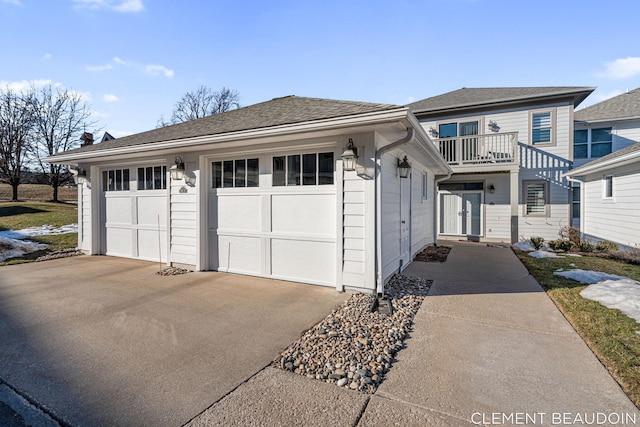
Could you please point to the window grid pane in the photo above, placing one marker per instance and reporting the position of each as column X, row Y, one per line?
column 536, row 198
column 216, row 170
column 309, row 169
column 325, row 168
column 253, row 173
column 125, row 179
column 227, row 171
column 279, row 171
column 240, row 173
column 293, row 170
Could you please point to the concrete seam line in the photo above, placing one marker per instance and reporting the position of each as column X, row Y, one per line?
column 35, row 404
column 227, row 394
column 383, row 395
column 364, row 408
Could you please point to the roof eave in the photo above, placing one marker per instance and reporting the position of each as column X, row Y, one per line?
column 372, row 118
column 622, row 160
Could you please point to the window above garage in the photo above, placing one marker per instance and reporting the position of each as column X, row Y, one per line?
column 115, row 180
column 152, row 178
column 303, row 169
column 235, row 173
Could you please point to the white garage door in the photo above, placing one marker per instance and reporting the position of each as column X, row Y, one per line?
column 280, row 225
column 134, row 212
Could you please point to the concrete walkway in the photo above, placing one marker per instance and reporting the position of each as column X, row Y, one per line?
column 488, row 348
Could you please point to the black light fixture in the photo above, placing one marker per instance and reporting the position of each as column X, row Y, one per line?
column 177, row 170
column 349, row 157
column 404, row 167
column 492, row 189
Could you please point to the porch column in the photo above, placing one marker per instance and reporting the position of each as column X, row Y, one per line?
column 514, row 189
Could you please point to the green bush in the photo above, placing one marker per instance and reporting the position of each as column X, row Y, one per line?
column 606, row 246
column 560, row 245
column 537, row 242
column 585, row 246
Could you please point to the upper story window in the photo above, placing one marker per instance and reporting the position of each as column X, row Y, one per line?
column 542, row 123
column 115, row 180
column 303, row 169
column 235, row 173
column 592, row 143
column 152, row 178
column 455, row 129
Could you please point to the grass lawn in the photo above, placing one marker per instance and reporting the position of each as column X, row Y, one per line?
column 19, row 215
column 610, row 334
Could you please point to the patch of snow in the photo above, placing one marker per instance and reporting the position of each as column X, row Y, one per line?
column 575, row 255
column 622, row 294
column 526, row 246
column 44, row 230
column 544, row 254
column 13, row 248
column 588, row 276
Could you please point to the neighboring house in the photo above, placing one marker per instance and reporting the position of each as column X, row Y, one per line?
column 264, row 192
column 601, row 129
column 610, row 191
column 509, row 149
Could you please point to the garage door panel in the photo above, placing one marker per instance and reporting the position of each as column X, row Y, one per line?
column 150, row 208
column 149, row 247
column 119, row 241
column 306, row 261
column 118, row 210
column 311, row 214
column 240, row 254
column 231, row 212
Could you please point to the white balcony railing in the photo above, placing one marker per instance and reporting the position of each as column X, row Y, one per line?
column 480, row 149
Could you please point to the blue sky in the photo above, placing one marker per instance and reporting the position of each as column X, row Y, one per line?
column 133, row 59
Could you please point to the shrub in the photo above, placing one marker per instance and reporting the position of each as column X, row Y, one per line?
column 585, row 246
column 560, row 245
column 537, row 242
column 606, row 246
column 572, row 234
column 630, row 257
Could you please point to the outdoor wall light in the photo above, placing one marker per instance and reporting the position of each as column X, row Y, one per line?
column 493, row 126
column 177, row 170
column 492, row 189
column 349, row 157
column 80, row 175
column 433, row 132
column 404, row 167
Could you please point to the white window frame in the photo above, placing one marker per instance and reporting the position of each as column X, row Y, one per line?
column 605, row 187
column 552, row 133
column 235, row 175
column 458, row 121
column 525, row 185
column 301, row 176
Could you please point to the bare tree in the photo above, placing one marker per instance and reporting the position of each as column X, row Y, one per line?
column 202, row 102
column 60, row 116
column 16, row 121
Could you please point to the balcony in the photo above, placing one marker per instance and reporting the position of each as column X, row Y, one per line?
column 495, row 151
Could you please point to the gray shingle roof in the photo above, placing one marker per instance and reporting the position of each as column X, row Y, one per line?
column 619, row 107
column 618, row 153
column 279, row 111
column 476, row 97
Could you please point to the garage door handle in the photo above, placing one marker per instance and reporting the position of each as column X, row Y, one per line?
column 403, row 221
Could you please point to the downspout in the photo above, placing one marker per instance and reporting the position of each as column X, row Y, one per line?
column 378, row 209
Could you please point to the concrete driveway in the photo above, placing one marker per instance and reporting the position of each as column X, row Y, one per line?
column 105, row 341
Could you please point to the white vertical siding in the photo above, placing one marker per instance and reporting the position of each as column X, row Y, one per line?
column 422, row 219
column 616, row 219
column 390, row 212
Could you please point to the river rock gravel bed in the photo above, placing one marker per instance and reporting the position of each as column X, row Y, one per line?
column 62, row 253
column 354, row 347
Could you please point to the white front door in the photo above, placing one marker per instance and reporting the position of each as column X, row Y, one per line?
column 405, row 220
column 461, row 213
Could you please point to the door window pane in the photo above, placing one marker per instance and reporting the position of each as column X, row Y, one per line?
column 240, row 171
column 216, row 170
column 309, row 169
column 253, row 173
column 293, row 170
column 227, row 172
column 325, row 169
column 279, row 171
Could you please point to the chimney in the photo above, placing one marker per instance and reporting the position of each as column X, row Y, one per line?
column 87, row 139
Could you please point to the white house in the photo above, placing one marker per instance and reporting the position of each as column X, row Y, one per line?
column 509, row 149
column 607, row 169
column 601, row 129
column 265, row 193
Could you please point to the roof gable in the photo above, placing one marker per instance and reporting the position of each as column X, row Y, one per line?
column 277, row 112
column 622, row 106
column 480, row 97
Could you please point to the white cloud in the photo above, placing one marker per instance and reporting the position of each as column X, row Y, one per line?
column 24, row 85
column 159, row 69
column 119, row 61
column 99, row 67
column 622, row 68
column 124, row 6
column 14, row 2
column 47, row 57
column 109, row 97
